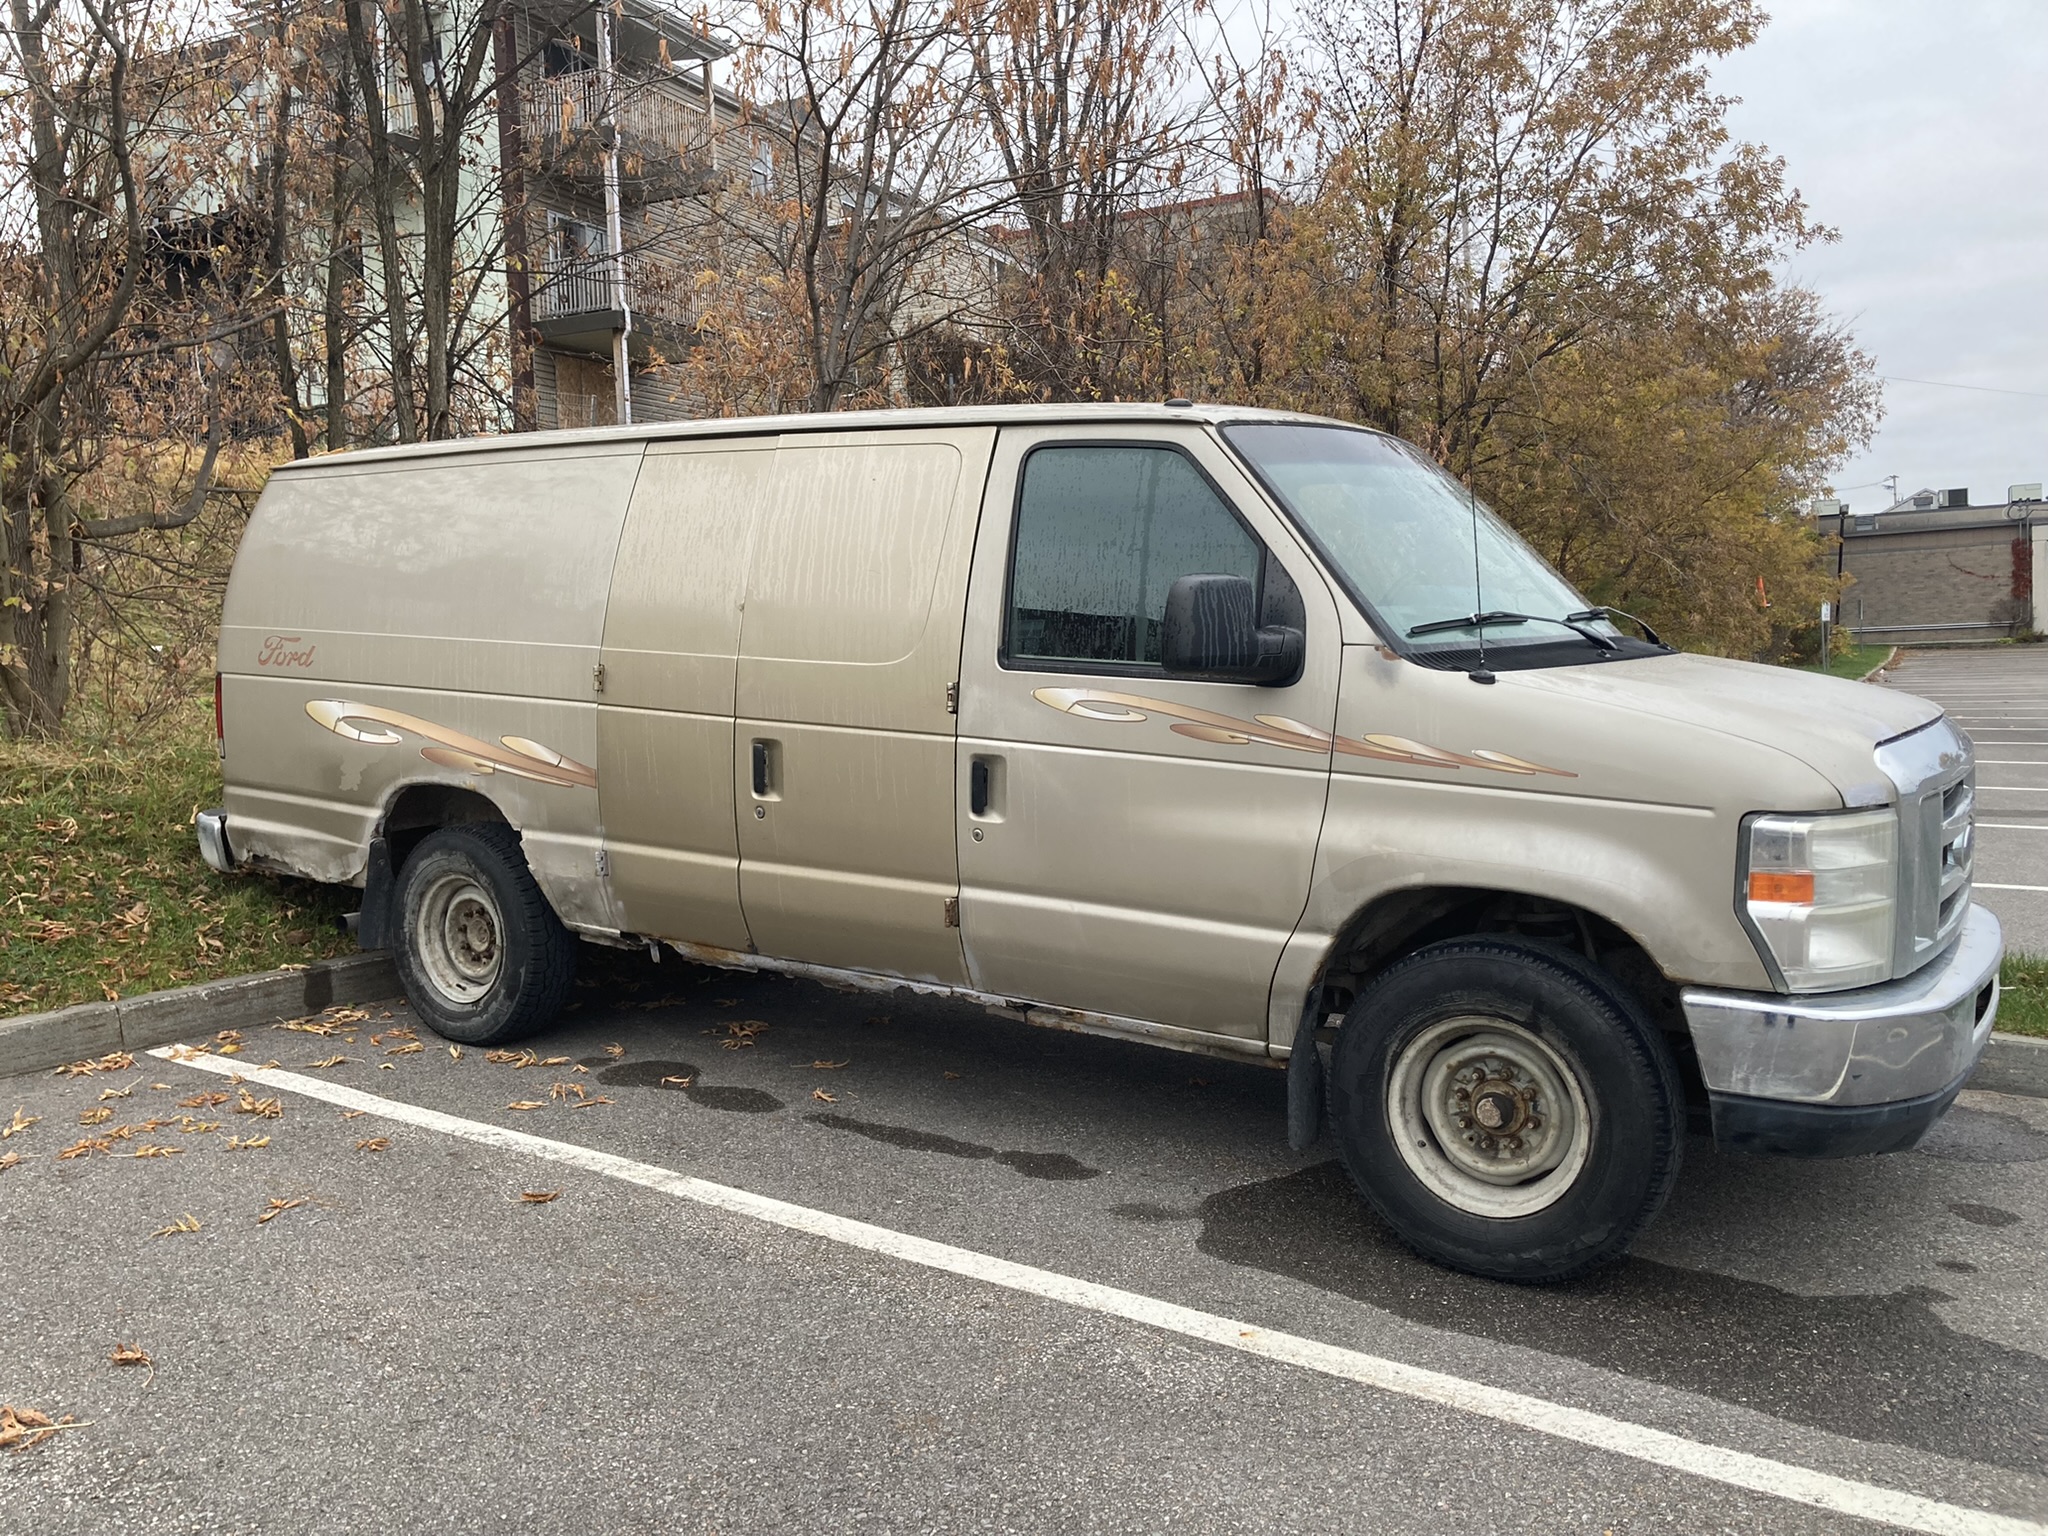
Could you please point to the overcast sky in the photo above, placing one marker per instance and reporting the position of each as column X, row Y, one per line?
column 1919, row 130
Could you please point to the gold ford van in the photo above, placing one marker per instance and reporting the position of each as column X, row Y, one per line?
column 1228, row 730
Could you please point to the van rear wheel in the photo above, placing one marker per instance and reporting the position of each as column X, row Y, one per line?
column 479, row 951
column 1506, row 1108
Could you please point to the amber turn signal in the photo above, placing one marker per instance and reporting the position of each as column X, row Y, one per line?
column 1780, row 885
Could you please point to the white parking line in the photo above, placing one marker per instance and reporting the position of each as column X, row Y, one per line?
column 1985, row 885
column 2013, row 826
column 1737, row 1469
column 2024, row 789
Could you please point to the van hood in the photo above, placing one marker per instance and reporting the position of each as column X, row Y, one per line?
column 1831, row 725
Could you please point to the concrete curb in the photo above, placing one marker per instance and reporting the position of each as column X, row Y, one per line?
column 2013, row 1064
column 36, row 1042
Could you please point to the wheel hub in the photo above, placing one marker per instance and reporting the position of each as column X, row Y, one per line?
column 458, row 937
column 1488, row 1115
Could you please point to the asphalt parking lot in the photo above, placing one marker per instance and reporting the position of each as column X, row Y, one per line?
column 1211, row 1333
column 2000, row 696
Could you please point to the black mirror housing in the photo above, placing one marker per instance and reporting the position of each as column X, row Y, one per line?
column 1211, row 631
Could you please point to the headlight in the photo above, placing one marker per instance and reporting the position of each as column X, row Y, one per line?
column 1821, row 895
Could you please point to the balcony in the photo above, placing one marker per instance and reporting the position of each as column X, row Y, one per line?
column 577, row 306
column 664, row 133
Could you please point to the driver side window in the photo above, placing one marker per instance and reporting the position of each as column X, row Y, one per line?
column 1102, row 531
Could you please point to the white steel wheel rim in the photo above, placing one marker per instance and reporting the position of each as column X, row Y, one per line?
column 459, row 937
column 1488, row 1116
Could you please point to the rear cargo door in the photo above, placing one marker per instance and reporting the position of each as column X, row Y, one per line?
column 842, row 761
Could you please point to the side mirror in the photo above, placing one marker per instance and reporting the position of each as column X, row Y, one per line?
column 1211, row 631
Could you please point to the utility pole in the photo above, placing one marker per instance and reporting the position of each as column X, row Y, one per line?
column 1891, row 486
column 614, row 232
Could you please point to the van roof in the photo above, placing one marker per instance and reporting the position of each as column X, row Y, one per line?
column 826, row 421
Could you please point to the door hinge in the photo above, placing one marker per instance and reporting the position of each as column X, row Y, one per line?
column 597, row 678
column 604, row 865
column 952, row 698
column 952, row 911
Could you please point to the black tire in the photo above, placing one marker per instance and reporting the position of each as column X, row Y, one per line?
column 479, row 951
column 1502, row 1033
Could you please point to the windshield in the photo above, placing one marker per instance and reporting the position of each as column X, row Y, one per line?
column 1400, row 532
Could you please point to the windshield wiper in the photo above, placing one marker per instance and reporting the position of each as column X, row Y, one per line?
column 1498, row 619
column 1649, row 634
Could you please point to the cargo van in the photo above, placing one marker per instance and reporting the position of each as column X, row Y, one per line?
column 1231, row 731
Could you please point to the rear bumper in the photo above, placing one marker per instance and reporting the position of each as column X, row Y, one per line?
column 212, row 829
column 1838, row 1074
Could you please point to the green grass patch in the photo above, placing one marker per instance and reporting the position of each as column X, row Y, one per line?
column 103, row 892
column 1857, row 660
column 2023, row 995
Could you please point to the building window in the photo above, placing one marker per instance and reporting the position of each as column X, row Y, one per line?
column 1102, row 533
column 761, row 175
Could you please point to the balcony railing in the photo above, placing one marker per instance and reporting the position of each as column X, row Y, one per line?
column 561, row 106
column 587, row 285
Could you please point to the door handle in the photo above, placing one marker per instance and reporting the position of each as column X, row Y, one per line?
column 985, row 776
column 764, row 778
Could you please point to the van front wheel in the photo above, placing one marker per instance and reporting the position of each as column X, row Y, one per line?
column 479, row 951
column 1506, row 1108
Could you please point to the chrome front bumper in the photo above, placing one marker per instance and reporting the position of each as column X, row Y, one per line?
column 1886, row 1057
column 212, row 827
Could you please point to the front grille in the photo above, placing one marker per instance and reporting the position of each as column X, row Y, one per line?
column 1935, row 773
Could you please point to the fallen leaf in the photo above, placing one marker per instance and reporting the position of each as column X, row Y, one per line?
column 115, row 1061
column 823, row 1097
column 150, row 1149
column 203, row 1101
column 579, row 1067
column 130, row 1354
column 22, row 1121
column 191, row 1127
column 86, row 1148
column 953, row 1075
column 409, row 1048
column 327, row 1061
column 277, row 1208
column 828, row 1066
column 95, row 1116
column 387, row 1066
column 185, row 1223
column 514, row 1059
column 353, row 1114
column 526, row 1104
column 552, row 1061
column 115, row 1093
column 8, row 1160
column 158, row 1087
column 726, row 1002
column 455, row 1053
column 267, row 1109
column 593, row 1100
column 24, row 1427
column 247, row 1143
column 615, row 1051
column 539, row 1196
column 373, row 1144
column 680, row 1082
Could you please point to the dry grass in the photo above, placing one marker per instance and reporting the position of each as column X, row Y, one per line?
column 102, row 890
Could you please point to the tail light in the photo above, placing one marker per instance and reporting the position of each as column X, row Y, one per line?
column 220, row 735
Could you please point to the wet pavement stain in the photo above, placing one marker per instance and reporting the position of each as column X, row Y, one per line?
column 1984, row 1136
column 655, row 1074
column 1873, row 1367
column 1033, row 1165
column 1982, row 1215
column 1148, row 1214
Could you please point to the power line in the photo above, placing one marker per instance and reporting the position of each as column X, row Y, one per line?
column 1988, row 389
